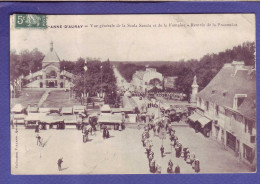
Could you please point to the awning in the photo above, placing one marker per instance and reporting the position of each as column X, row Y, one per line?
column 78, row 109
column 70, row 119
column 18, row 121
column 127, row 109
column 132, row 118
column 18, row 116
column 203, row 121
column 17, row 108
column 52, row 119
column 35, row 116
column 110, row 118
column 32, row 109
column 66, row 110
column 44, row 110
column 116, row 110
column 105, row 108
column 194, row 117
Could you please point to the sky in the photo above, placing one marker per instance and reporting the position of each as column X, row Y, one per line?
column 144, row 40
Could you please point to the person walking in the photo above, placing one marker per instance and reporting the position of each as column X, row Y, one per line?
column 192, row 159
column 152, row 166
column 59, row 163
column 177, row 151
column 162, row 150
column 104, row 133
column 37, row 129
column 186, row 151
column 170, row 163
column 169, row 170
column 150, row 158
column 177, row 170
column 158, row 169
column 39, row 142
column 107, row 134
column 197, row 166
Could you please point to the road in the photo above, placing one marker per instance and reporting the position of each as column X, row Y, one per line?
column 121, row 82
column 123, row 153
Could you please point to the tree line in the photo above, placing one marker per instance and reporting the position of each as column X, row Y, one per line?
column 205, row 68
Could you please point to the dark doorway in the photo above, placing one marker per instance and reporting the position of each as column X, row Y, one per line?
column 51, row 84
column 61, row 84
column 41, row 85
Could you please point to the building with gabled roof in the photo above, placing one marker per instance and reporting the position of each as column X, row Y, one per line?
column 228, row 103
column 51, row 75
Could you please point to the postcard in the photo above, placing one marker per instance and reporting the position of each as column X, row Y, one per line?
column 132, row 94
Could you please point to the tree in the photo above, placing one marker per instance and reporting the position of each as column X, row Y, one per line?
column 91, row 79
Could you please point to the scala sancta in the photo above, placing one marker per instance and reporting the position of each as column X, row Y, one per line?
column 51, row 75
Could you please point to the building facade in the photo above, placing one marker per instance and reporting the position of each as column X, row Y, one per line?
column 51, row 75
column 229, row 102
column 143, row 81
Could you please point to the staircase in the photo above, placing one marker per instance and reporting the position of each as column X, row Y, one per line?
column 43, row 98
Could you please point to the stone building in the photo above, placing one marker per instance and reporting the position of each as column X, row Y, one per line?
column 229, row 103
column 145, row 80
column 51, row 75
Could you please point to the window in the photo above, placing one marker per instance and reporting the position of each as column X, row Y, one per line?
column 200, row 101
column 249, row 126
column 248, row 153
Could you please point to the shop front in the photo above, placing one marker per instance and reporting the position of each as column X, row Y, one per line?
column 231, row 141
column 205, row 126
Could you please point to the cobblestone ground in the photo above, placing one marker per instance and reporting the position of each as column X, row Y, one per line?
column 123, row 153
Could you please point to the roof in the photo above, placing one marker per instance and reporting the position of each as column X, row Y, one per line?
column 227, row 83
column 194, row 117
column 110, row 118
column 78, row 108
column 51, row 57
column 116, row 110
column 52, row 119
column 132, row 118
column 18, row 116
column 105, row 108
column 42, row 110
column 203, row 121
column 17, row 108
column 66, row 110
column 32, row 109
column 35, row 116
column 70, row 119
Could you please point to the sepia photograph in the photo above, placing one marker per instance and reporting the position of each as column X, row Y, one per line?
column 132, row 94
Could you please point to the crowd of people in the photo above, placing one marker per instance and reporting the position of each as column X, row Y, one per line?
column 180, row 151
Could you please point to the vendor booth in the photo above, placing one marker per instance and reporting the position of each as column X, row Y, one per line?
column 112, row 121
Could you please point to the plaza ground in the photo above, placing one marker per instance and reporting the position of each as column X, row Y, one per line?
column 123, row 153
